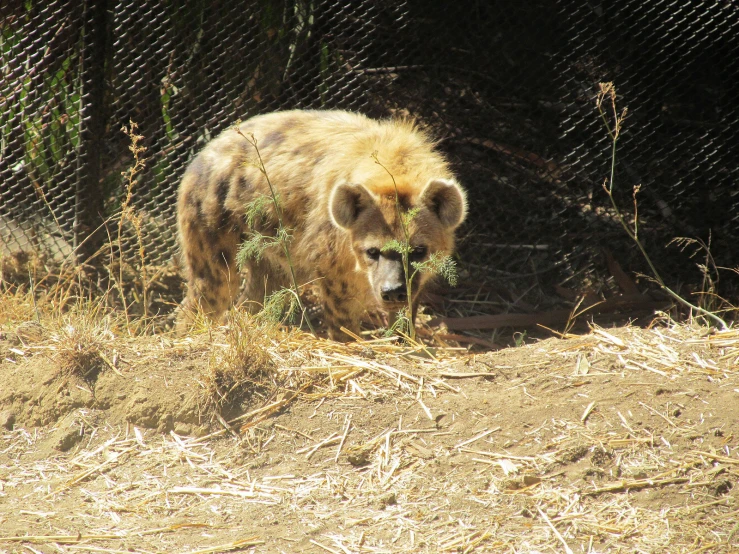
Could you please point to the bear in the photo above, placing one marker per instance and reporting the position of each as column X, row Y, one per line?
column 343, row 182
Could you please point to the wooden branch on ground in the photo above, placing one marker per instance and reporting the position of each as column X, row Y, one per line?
column 625, row 303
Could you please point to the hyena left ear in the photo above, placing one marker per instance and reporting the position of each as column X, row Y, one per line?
column 348, row 203
column 446, row 199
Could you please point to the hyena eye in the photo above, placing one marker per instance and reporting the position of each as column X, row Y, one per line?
column 373, row 253
column 418, row 253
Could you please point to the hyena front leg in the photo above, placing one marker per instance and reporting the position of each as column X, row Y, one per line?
column 340, row 309
column 262, row 278
column 210, row 264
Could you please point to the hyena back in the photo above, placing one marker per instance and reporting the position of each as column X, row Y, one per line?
column 337, row 201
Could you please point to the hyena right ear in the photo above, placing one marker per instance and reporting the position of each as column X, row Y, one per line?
column 446, row 199
column 347, row 203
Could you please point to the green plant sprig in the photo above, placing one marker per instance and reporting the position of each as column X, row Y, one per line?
column 258, row 243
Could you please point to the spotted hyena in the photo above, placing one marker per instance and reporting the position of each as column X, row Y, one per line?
column 339, row 204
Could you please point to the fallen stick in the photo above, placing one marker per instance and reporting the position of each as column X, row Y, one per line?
column 637, row 484
column 625, row 302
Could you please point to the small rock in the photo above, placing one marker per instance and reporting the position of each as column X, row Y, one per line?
column 359, row 455
column 29, row 332
column 511, row 484
column 200, row 431
column 7, row 420
column 721, row 487
column 531, row 480
column 386, row 500
column 166, row 424
column 367, row 352
column 68, row 440
column 182, row 429
column 601, row 457
column 573, row 454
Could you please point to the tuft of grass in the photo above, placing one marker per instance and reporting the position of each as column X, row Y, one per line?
column 82, row 340
column 17, row 302
column 242, row 369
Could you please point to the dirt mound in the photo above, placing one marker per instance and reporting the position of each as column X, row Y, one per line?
column 622, row 439
column 148, row 382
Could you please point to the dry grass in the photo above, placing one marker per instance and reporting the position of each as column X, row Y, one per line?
column 76, row 331
column 82, row 340
column 242, row 366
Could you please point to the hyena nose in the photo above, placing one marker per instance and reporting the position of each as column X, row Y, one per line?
column 393, row 293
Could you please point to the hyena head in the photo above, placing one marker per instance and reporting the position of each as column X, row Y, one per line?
column 374, row 224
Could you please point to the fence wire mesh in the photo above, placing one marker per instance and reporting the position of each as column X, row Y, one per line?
column 509, row 87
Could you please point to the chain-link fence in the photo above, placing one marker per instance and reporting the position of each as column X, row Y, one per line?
column 509, row 87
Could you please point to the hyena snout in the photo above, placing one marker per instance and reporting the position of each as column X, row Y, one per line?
column 390, row 281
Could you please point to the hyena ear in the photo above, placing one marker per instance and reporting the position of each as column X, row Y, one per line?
column 446, row 199
column 347, row 203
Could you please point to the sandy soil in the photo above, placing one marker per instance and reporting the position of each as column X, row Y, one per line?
column 619, row 441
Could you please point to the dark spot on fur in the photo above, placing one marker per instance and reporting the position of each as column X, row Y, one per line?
column 289, row 124
column 222, row 192
column 345, row 322
column 328, row 283
column 199, row 244
column 329, row 311
column 223, row 257
column 307, row 149
column 211, row 237
column 344, row 288
column 201, row 270
column 189, row 227
column 224, row 220
column 274, row 138
column 199, row 207
column 244, row 183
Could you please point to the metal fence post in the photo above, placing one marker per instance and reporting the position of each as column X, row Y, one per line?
column 89, row 202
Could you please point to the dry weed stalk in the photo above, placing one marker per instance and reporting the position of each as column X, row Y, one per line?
column 258, row 243
column 405, row 322
column 129, row 214
column 16, row 305
column 613, row 122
